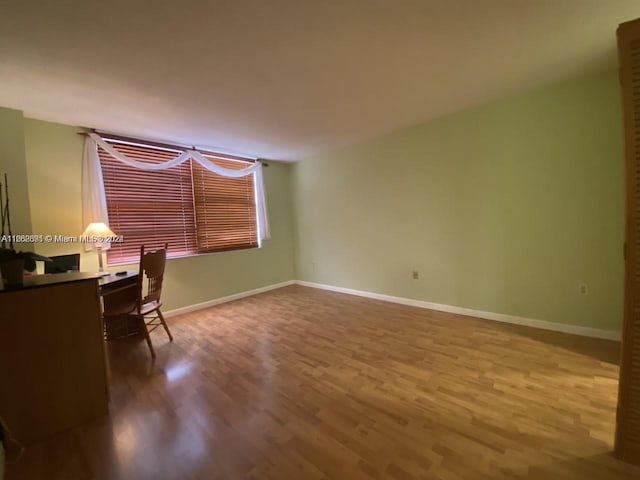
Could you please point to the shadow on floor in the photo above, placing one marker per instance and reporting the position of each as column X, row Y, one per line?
column 599, row 466
column 607, row 351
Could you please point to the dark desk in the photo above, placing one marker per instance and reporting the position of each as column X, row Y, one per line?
column 117, row 292
column 36, row 281
column 119, row 295
column 53, row 368
column 108, row 283
column 112, row 283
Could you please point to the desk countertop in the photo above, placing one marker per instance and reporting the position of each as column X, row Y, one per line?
column 35, row 281
column 112, row 278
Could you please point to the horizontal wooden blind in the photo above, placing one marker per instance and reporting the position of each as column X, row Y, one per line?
column 225, row 208
column 148, row 207
column 151, row 207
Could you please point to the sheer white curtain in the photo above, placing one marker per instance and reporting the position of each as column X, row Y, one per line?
column 94, row 202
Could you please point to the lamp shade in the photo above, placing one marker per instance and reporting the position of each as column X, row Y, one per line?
column 97, row 236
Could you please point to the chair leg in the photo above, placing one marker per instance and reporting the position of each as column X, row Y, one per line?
column 147, row 337
column 164, row 324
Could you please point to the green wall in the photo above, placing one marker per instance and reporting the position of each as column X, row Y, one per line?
column 505, row 208
column 54, row 167
column 12, row 162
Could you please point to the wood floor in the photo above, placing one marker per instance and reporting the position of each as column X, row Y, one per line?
column 302, row 384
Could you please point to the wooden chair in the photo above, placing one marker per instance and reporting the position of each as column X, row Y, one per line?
column 146, row 305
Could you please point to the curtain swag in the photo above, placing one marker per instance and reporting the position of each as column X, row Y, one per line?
column 94, row 203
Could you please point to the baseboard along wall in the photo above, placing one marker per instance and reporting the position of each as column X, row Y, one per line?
column 228, row 298
column 497, row 317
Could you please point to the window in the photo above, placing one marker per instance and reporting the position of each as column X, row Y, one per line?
column 193, row 209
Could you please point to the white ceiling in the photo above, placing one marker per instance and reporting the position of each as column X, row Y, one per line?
column 285, row 79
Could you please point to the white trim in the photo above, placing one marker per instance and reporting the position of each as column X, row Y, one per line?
column 498, row 317
column 228, row 298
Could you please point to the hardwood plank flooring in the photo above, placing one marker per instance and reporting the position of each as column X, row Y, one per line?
column 301, row 384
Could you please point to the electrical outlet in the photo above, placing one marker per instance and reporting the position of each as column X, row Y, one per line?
column 583, row 289
column 415, row 275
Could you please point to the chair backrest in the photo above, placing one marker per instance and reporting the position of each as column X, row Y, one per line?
column 63, row 263
column 151, row 272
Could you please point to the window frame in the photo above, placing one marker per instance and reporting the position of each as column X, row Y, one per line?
column 115, row 140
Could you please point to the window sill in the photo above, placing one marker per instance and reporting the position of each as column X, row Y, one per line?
column 189, row 255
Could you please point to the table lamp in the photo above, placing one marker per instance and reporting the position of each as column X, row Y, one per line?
column 98, row 237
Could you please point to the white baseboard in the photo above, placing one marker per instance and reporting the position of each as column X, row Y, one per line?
column 498, row 317
column 228, row 298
